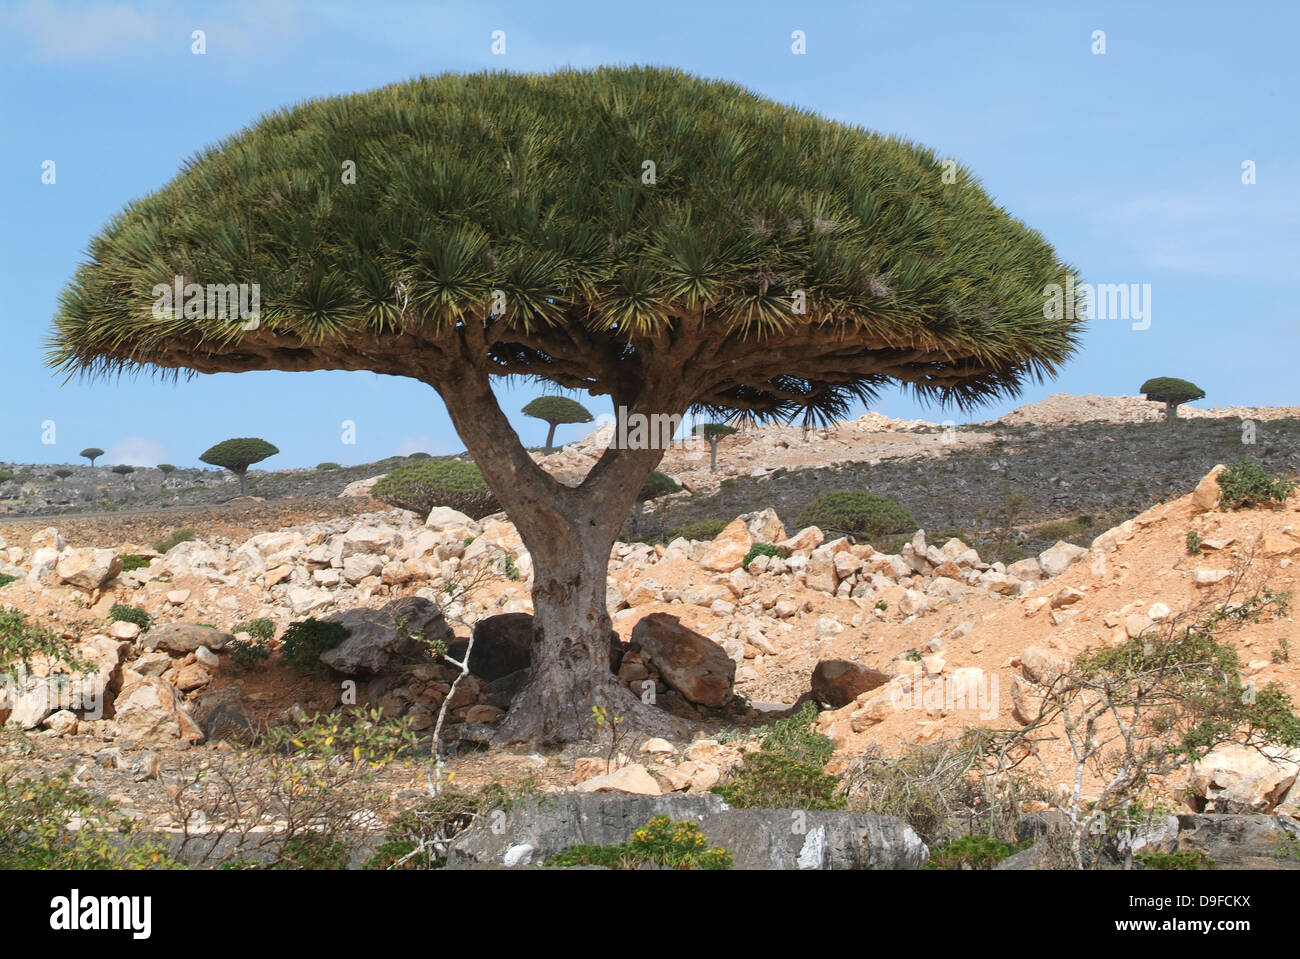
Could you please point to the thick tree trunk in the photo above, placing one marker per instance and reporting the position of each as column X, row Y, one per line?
column 1171, row 412
column 550, row 438
column 243, row 484
column 569, row 532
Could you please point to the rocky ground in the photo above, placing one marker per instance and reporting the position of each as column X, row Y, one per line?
column 865, row 630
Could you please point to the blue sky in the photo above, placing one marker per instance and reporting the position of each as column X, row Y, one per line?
column 1130, row 163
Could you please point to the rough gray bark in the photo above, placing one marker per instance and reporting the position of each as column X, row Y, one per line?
column 550, row 437
column 569, row 532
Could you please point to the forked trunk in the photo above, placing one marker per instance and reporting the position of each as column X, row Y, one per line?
column 570, row 654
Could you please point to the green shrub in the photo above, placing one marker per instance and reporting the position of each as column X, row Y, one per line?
column 363, row 735
column 314, row 851
column 857, row 513
column 7, row 476
column 1183, row 859
column 972, row 852
column 757, row 550
column 423, row 485
column 1193, row 542
column 302, row 644
column 420, row 456
column 657, row 484
column 678, row 845
column 247, row 655
column 22, row 641
column 768, row 780
column 121, row 613
column 35, row 814
column 1246, row 483
column 260, row 629
column 175, row 538
column 6, row 579
column 704, row 529
column 796, row 737
column 121, row 469
column 324, row 467
column 134, row 561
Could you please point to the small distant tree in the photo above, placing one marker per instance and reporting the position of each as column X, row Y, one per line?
column 713, row 432
column 121, row 469
column 422, row 485
column 91, row 453
column 166, row 469
column 63, row 473
column 326, row 467
column 657, row 484
column 857, row 513
column 237, row 455
column 1173, row 392
column 556, row 411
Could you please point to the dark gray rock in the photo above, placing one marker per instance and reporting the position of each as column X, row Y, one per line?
column 838, row 682
column 381, row 640
column 502, row 645
column 221, row 714
column 185, row 638
column 1242, row 841
column 757, row 838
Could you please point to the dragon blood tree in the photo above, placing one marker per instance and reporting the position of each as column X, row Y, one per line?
column 676, row 244
column 556, row 411
column 1171, row 391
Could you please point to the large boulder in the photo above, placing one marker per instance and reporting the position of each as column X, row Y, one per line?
column 530, row 833
column 1233, row 778
column 186, row 638
column 692, row 664
column 502, row 645
column 838, row 682
column 381, row 640
column 149, row 710
column 728, row 549
column 1060, row 557
column 87, row 569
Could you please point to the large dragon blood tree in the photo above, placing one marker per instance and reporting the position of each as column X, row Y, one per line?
column 676, row 244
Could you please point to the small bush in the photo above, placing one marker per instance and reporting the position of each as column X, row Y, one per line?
column 35, row 834
column 1246, row 484
column 22, row 641
column 260, row 629
column 363, row 735
column 704, row 529
column 121, row 613
column 857, row 513
column 134, row 561
column 6, row 579
column 325, row 467
column 311, row 850
column 1193, row 542
column 678, row 845
column 422, row 485
column 1184, row 859
column 6, row 476
column 972, row 852
column 247, row 655
column 165, row 544
column 302, row 644
column 768, row 780
column 757, row 550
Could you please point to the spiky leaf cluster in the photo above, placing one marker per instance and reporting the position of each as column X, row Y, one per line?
column 636, row 220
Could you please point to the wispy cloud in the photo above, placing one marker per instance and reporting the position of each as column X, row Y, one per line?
column 135, row 451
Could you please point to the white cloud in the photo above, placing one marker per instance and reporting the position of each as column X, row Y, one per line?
column 134, row 451
column 61, row 31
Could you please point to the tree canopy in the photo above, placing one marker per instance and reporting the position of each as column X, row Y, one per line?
column 238, row 454
column 91, row 453
column 557, row 409
column 1170, row 389
column 628, row 215
column 423, row 485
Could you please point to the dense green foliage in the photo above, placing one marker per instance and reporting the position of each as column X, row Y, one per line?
column 855, row 512
column 1246, row 483
column 853, row 257
column 421, row 486
column 972, row 852
column 303, row 642
column 757, row 550
column 657, row 484
column 91, row 453
column 122, row 613
column 677, row 845
column 557, row 410
column 1170, row 389
column 239, row 453
column 121, row 469
column 175, row 538
column 788, row 770
column 134, row 561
